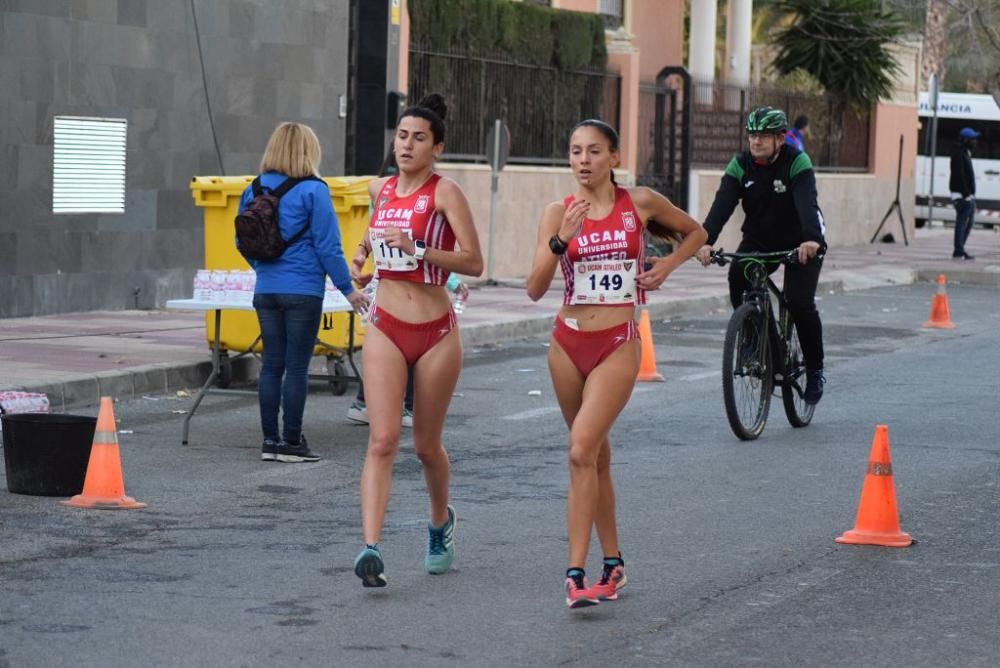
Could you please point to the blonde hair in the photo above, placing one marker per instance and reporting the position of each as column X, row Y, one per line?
column 292, row 150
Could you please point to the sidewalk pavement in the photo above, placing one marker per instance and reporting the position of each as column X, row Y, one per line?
column 77, row 358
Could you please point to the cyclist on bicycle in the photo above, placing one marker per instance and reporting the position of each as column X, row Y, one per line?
column 777, row 187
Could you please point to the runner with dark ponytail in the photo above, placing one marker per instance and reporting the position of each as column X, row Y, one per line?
column 421, row 230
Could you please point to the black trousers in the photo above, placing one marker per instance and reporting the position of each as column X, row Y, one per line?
column 800, row 293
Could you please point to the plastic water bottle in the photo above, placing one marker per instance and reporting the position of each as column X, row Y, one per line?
column 247, row 281
column 369, row 291
column 459, row 304
column 233, row 287
column 203, row 285
column 218, row 285
column 453, row 284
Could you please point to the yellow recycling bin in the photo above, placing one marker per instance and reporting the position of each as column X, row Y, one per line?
column 219, row 196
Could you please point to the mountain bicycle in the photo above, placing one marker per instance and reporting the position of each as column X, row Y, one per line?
column 760, row 351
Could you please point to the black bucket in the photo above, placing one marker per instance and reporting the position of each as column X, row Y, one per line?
column 46, row 454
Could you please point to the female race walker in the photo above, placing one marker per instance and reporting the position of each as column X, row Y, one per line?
column 596, row 237
column 418, row 219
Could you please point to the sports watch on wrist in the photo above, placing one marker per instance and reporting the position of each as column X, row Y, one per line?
column 557, row 245
column 419, row 248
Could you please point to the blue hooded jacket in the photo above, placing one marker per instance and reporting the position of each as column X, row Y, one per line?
column 303, row 267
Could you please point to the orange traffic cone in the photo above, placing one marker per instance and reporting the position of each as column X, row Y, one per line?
column 104, row 487
column 878, row 519
column 647, row 365
column 939, row 317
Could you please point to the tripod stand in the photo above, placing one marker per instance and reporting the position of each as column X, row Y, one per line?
column 895, row 203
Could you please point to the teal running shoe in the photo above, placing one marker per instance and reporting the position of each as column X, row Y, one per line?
column 441, row 545
column 369, row 567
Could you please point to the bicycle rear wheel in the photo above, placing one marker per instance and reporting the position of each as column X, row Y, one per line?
column 793, row 384
column 747, row 376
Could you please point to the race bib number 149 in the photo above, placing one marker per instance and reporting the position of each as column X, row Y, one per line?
column 604, row 282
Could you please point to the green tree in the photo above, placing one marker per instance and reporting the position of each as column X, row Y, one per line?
column 844, row 45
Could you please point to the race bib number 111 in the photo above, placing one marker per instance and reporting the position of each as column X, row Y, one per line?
column 387, row 258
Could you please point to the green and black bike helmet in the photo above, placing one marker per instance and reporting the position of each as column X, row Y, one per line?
column 767, row 120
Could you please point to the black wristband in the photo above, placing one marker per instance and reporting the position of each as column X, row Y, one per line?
column 557, row 245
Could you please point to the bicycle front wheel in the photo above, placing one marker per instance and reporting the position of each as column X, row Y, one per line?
column 793, row 383
column 747, row 376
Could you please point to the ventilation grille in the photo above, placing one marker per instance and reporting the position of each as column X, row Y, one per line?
column 88, row 165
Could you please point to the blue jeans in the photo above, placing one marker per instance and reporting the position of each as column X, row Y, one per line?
column 288, row 327
column 965, row 213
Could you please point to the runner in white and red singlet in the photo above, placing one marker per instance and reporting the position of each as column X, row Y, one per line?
column 596, row 236
column 417, row 220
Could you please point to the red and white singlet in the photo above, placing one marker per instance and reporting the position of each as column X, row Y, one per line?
column 602, row 261
column 415, row 215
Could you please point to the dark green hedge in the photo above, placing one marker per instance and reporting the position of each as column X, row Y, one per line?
column 500, row 28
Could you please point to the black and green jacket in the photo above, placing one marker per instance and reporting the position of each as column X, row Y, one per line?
column 779, row 201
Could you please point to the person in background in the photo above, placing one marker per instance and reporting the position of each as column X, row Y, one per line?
column 288, row 296
column 777, row 188
column 798, row 133
column 420, row 232
column 962, row 183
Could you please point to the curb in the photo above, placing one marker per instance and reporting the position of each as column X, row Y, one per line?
column 132, row 383
column 984, row 279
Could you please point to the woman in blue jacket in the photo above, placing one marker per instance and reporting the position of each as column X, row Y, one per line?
column 289, row 293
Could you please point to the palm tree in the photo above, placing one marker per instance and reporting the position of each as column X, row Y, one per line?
column 844, row 45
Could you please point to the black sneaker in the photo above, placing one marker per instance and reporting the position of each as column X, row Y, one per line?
column 269, row 450
column 966, row 256
column 294, row 453
column 815, row 380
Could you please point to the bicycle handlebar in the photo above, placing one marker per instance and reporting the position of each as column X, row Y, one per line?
column 722, row 258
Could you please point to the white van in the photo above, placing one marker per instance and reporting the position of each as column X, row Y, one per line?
column 957, row 111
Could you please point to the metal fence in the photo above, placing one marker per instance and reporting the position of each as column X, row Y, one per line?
column 720, row 111
column 539, row 104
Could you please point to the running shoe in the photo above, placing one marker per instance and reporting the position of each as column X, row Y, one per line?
column 578, row 595
column 269, row 450
column 612, row 579
column 407, row 418
column 296, row 453
column 358, row 412
column 441, row 545
column 369, row 567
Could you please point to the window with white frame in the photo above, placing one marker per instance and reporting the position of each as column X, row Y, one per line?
column 88, row 165
column 611, row 9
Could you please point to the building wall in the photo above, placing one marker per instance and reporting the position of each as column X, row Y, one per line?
column 659, row 34
column 576, row 5
column 264, row 63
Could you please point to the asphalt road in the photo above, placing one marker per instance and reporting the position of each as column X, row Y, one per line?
column 729, row 545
